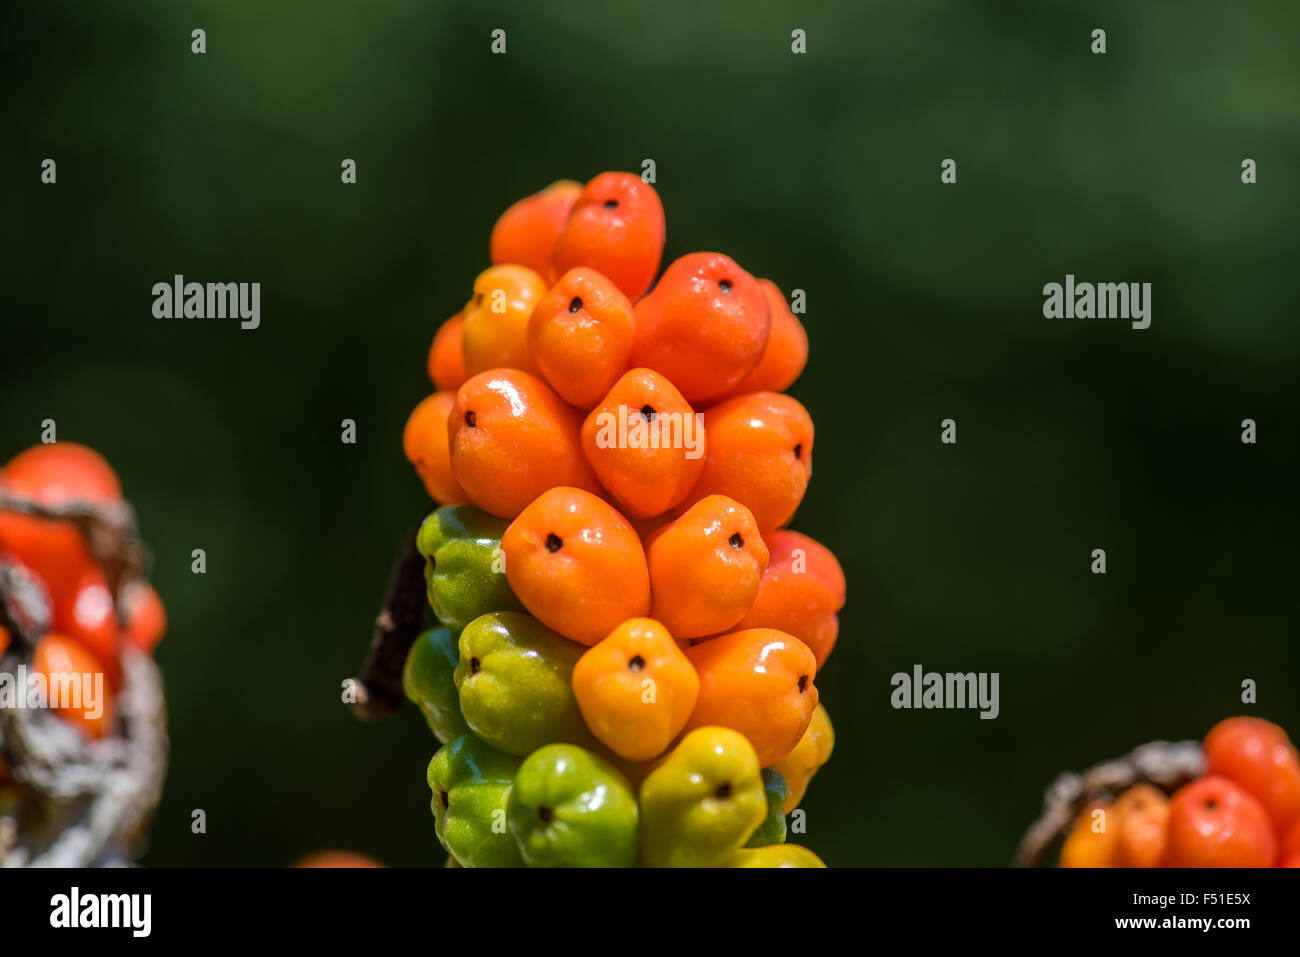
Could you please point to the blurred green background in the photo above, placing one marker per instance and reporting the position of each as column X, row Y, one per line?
column 819, row 171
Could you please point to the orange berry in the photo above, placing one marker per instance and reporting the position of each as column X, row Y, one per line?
column 526, row 232
column 350, row 859
column 512, row 438
column 786, row 352
column 576, row 564
column 705, row 568
column 760, row 454
column 495, row 332
column 87, row 615
column 636, row 689
column 616, row 228
column 1142, row 817
column 447, row 357
column 75, row 684
column 813, row 750
column 427, row 446
column 704, row 325
column 146, row 618
column 1215, row 823
column 1290, row 840
column 646, row 443
column 580, row 334
column 759, row 682
column 801, row 593
column 1290, row 861
column 1259, row 756
column 60, row 472
column 1093, row 840
column 55, row 550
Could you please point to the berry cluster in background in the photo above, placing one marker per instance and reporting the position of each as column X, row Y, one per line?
column 629, row 635
column 1243, row 811
column 91, row 618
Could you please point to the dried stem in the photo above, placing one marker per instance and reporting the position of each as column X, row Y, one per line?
column 379, row 686
column 85, row 803
column 1163, row 764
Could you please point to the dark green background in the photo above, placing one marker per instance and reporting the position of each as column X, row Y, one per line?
column 819, row 171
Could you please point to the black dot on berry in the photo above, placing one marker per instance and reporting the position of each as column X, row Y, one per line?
column 648, row 413
column 798, row 449
column 735, row 541
column 637, row 663
column 471, row 419
column 554, row 543
column 1211, row 804
column 725, row 286
column 723, row 791
column 611, row 204
column 446, row 799
column 575, row 304
column 478, row 299
column 803, row 683
column 475, row 666
column 545, row 814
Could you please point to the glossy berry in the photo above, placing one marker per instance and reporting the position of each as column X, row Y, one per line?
column 760, row 454
column 801, row 593
column 1215, row 823
column 636, row 689
column 813, row 750
column 616, row 228
column 526, row 232
column 55, row 550
column 84, row 700
column 495, row 331
column 576, row 564
column 705, row 568
column 146, row 618
column 1257, row 755
column 704, row 326
column 758, row 682
column 427, row 446
column 580, row 334
column 786, row 352
column 1093, row 840
column 646, row 444
column 336, row 859
column 777, row 856
column 59, row 472
column 1141, row 816
column 87, row 615
column 1290, row 840
column 447, row 357
column 512, row 438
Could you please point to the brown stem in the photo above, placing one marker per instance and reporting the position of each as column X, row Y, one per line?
column 1163, row 764
column 379, row 686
